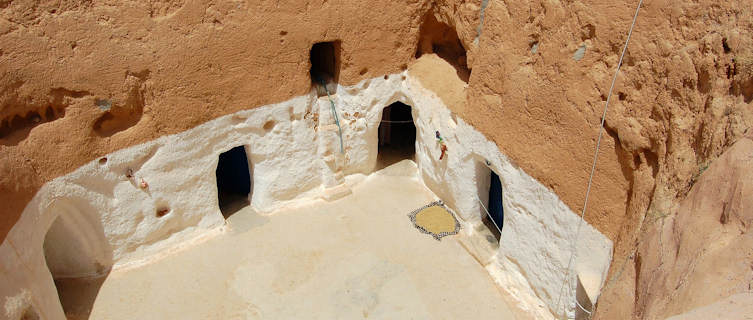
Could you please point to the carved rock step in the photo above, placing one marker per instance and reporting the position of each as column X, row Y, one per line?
column 480, row 245
column 329, row 127
column 336, row 192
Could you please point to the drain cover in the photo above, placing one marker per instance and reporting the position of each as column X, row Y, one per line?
column 435, row 219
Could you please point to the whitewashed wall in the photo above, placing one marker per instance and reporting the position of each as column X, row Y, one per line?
column 295, row 157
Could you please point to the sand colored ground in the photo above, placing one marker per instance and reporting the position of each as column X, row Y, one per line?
column 355, row 258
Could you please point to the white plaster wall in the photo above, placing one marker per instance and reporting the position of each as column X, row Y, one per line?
column 295, row 156
column 538, row 227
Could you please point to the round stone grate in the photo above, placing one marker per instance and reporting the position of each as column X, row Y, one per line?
column 435, row 219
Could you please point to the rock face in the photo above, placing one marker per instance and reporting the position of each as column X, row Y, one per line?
column 705, row 248
column 82, row 79
column 738, row 306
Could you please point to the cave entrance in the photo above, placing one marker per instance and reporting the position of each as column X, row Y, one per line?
column 325, row 66
column 397, row 135
column 79, row 258
column 436, row 37
column 233, row 181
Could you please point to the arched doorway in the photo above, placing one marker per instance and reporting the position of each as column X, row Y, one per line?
column 78, row 257
column 397, row 135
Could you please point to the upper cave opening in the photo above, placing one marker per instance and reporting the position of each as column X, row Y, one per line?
column 325, row 65
column 441, row 39
column 233, row 180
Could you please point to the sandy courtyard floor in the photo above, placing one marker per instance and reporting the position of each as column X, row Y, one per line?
column 354, row 258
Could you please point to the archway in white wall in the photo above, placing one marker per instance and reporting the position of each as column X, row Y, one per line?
column 233, row 175
column 397, row 135
column 78, row 256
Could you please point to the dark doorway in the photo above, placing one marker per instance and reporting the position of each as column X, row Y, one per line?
column 397, row 134
column 233, row 181
column 495, row 208
column 325, row 66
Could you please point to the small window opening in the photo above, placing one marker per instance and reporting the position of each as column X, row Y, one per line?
column 325, row 66
column 441, row 39
column 233, row 181
column 397, row 135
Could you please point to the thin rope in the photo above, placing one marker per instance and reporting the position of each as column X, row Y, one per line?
column 390, row 121
column 596, row 157
column 334, row 114
column 582, row 308
column 489, row 214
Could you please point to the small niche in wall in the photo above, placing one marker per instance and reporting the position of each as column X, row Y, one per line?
column 30, row 313
column 325, row 66
column 233, row 181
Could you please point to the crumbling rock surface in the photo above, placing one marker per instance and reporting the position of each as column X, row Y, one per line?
column 682, row 98
column 703, row 250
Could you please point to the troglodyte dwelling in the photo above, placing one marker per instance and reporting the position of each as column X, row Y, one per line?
column 426, row 159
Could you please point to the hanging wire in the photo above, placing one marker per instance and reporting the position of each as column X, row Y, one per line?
column 596, row 157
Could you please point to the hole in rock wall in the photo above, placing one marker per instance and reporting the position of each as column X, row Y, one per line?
column 16, row 127
column 161, row 212
column 397, row 134
column 233, row 181
column 325, row 66
column 112, row 122
column 30, row 314
column 117, row 118
column 79, row 258
column 441, row 39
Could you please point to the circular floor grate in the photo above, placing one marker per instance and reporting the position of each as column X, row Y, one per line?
column 435, row 219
